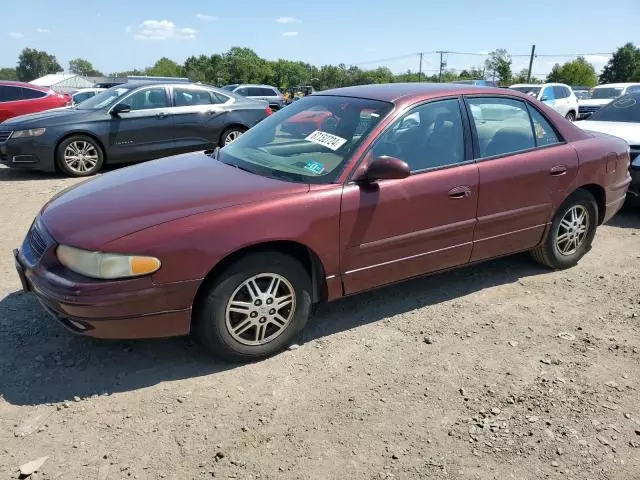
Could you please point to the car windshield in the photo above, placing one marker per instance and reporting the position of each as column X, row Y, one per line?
column 310, row 141
column 605, row 93
column 534, row 91
column 103, row 99
column 623, row 109
column 229, row 87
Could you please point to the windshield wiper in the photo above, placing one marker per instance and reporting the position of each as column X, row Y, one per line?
column 285, row 175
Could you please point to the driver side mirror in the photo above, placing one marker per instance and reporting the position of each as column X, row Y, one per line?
column 120, row 108
column 544, row 99
column 385, row 168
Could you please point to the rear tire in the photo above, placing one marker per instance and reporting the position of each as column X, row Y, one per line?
column 571, row 116
column 79, row 156
column 230, row 135
column 571, row 232
column 236, row 322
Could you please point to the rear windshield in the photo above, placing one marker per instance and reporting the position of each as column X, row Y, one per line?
column 533, row 91
column 604, row 93
column 310, row 141
column 623, row 109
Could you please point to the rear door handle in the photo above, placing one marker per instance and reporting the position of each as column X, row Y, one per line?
column 463, row 191
column 558, row 170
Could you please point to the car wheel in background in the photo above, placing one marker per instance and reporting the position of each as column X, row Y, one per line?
column 255, row 308
column 571, row 232
column 79, row 156
column 230, row 135
column 570, row 116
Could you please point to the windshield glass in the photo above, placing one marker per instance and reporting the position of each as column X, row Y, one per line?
column 310, row 141
column 534, row 91
column 103, row 99
column 606, row 92
column 624, row 109
column 231, row 88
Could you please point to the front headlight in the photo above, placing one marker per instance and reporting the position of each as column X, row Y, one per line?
column 32, row 132
column 106, row 266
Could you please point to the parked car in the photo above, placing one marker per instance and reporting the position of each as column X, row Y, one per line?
column 558, row 96
column 602, row 95
column 129, row 123
column 17, row 98
column 621, row 118
column 83, row 94
column 266, row 93
column 235, row 247
column 582, row 95
column 477, row 83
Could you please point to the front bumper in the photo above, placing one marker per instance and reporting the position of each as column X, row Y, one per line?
column 122, row 309
column 33, row 153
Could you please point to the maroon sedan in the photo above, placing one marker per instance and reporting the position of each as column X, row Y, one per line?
column 405, row 180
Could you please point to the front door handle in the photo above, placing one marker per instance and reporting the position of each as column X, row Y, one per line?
column 558, row 170
column 463, row 191
column 162, row 115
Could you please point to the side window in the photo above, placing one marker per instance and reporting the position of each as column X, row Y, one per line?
column 633, row 88
column 10, row 94
column 544, row 132
column 243, row 91
column 559, row 92
column 502, row 126
column 268, row 92
column 29, row 93
column 428, row 136
column 81, row 97
column 148, row 99
column 189, row 97
column 218, row 97
column 255, row 92
column 548, row 94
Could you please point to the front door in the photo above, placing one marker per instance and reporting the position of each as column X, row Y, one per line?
column 146, row 131
column 396, row 229
column 525, row 170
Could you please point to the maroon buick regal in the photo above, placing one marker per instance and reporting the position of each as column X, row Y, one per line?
column 395, row 182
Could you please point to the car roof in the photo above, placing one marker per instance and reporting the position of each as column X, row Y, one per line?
column 539, row 84
column 251, row 85
column 23, row 84
column 394, row 92
column 617, row 85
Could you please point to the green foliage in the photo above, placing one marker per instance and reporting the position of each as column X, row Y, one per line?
column 83, row 67
column 165, row 67
column 8, row 74
column 498, row 66
column 575, row 72
column 623, row 65
column 34, row 63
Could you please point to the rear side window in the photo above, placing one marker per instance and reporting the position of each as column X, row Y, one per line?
column 502, row 126
column 256, row 92
column 29, row 93
column 268, row 92
column 183, row 97
column 243, row 91
column 219, row 98
column 560, row 92
column 9, row 93
column 544, row 132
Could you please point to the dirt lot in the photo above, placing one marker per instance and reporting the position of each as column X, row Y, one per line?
column 504, row 370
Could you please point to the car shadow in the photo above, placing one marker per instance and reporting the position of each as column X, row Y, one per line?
column 22, row 175
column 629, row 217
column 40, row 362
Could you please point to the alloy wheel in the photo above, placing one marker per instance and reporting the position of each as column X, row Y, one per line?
column 80, row 156
column 260, row 309
column 572, row 230
column 232, row 136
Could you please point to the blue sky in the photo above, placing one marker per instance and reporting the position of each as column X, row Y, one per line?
column 123, row 34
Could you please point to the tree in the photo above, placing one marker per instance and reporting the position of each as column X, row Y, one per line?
column 471, row 74
column 34, row 64
column 165, row 67
column 498, row 66
column 83, row 67
column 8, row 74
column 622, row 65
column 575, row 72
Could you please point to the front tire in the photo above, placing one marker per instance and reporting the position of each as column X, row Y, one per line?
column 571, row 233
column 255, row 309
column 79, row 156
column 570, row 116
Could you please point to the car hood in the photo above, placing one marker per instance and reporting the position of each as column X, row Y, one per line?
column 46, row 118
column 626, row 130
column 598, row 102
column 96, row 212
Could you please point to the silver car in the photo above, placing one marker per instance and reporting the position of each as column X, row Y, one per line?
column 270, row 94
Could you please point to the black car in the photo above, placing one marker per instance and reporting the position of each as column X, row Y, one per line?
column 132, row 122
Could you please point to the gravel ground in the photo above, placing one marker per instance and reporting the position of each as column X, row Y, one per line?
column 503, row 370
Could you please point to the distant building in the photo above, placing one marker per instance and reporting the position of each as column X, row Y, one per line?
column 63, row 82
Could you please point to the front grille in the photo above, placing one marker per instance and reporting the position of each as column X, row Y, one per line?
column 36, row 243
column 588, row 109
column 4, row 135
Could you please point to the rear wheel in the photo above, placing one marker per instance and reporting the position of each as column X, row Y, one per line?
column 79, row 156
column 571, row 116
column 571, row 233
column 230, row 135
column 255, row 309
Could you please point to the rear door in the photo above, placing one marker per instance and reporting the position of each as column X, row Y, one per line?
column 147, row 131
column 397, row 229
column 525, row 170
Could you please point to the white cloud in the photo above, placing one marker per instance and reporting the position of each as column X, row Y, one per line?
column 42, row 30
column 128, row 29
column 290, row 34
column 207, row 18
column 598, row 61
column 483, row 52
column 287, row 20
column 16, row 35
column 163, row 30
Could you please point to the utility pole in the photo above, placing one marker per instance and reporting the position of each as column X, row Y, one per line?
column 420, row 70
column 533, row 54
column 443, row 63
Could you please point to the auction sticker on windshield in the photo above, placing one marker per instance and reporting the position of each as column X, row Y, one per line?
column 332, row 142
column 315, row 167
